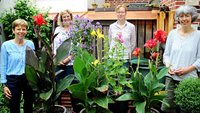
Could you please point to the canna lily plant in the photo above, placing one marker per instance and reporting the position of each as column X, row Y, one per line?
column 90, row 88
column 145, row 89
column 40, row 68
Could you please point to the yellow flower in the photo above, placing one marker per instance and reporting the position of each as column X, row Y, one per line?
column 99, row 34
column 95, row 62
column 93, row 33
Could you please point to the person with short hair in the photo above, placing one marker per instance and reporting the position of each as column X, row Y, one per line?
column 182, row 53
column 126, row 29
column 13, row 56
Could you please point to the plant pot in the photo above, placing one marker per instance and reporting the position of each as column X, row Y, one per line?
column 58, row 109
column 153, row 110
column 53, row 109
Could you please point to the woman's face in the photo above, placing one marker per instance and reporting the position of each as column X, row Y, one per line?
column 185, row 19
column 66, row 19
column 20, row 32
column 121, row 14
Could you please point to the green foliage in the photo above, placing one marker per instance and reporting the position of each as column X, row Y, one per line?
column 90, row 87
column 3, row 102
column 23, row 9
column 42, row 77
column 187, row 95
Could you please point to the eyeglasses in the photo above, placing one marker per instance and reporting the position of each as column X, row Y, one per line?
column 121, row 12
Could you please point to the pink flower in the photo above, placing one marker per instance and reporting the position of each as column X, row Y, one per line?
column 160, row 35
column 120, row 38
column 150, row 44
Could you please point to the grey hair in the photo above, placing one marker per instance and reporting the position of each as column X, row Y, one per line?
column 187, row 9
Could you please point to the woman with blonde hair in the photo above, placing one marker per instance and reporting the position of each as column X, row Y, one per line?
column 63, row 32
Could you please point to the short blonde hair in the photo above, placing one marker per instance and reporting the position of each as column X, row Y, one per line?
column 62, row 13
column 119, row 6
column 19, row 22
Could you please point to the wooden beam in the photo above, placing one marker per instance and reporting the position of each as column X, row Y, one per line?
column 131, row 15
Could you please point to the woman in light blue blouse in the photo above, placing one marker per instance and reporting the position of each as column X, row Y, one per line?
column 182, row 53
column 12, row 67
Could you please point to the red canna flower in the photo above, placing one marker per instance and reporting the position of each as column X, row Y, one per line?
column 154, row 55
column 39, row 20
column 150, row 44
column 136, row 52
column 160, row 35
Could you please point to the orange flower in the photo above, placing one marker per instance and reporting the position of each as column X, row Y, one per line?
column 39, row 20
column 136, row 52
column 154, row 55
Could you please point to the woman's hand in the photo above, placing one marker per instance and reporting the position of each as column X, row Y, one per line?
column 171, row 72
column 184, row 70
column 7, row 92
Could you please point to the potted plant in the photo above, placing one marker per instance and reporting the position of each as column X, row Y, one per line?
column 40, row 69
column 187, row 95
column 90, row 87
column 145, row 89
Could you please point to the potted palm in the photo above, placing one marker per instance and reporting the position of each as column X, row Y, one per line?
column 145, row 89
column 40, row 68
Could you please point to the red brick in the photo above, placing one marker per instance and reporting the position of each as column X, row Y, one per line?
column 179, row 2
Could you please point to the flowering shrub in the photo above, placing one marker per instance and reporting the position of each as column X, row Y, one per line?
column 83, row 33
column 145, row 89
column 114, row 67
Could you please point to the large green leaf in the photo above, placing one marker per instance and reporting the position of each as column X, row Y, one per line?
column 31, row 76
column 102, row 101
column 162, row 73
column 90, row 78
column 140, row 107
column 46, row 95
column 64, row 83
column 63, row 51
column 126, row 96
column 79, row 65
column 78, row 91
column 31, row 58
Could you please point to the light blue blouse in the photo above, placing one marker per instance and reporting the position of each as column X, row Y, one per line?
column 13, row 58
column 183, row 52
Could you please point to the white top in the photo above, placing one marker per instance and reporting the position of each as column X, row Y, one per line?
column 182, row 52
column 129, row 35
column 60, row 38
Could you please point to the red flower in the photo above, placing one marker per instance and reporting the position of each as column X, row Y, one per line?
column 150, row 44
column 154, row 55
column 136, row 52
column 39, row 20
column 160, row 35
